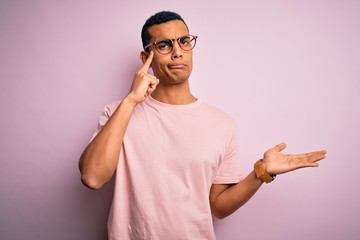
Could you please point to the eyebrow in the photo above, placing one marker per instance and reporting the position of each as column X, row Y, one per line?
column 165, row 38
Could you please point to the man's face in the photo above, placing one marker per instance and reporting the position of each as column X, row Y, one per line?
column 174, row 67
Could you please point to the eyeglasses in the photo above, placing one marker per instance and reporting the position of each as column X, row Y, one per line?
column 165, row 46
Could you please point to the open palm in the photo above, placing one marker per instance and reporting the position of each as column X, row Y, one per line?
column 277, row 162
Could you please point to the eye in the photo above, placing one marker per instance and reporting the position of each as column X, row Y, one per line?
column 186, row 40
column 164, row 44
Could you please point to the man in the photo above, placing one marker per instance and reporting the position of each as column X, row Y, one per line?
column 176, row 158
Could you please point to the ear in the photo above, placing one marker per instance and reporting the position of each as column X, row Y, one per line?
column 143, row 56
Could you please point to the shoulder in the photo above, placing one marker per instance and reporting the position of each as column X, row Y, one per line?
column 218, row 114
column 217, row 119
column 110, row 108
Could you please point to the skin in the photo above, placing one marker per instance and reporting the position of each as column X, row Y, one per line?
column 170, row 84
column 174, row 69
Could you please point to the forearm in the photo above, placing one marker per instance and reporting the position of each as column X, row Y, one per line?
column 226, row 199
column 99, row 160
column 235, row 196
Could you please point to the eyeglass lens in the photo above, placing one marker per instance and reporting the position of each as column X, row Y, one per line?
column 165, row 46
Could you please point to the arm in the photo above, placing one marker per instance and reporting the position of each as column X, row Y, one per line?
column 99, row 160
column 226, row 198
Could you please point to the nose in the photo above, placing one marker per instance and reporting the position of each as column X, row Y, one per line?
column 176, row 51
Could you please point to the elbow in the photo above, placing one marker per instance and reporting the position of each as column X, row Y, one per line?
column 94, row 178
column 219, row 215
column 218, row 212
column 91, row 182
column 89, row 176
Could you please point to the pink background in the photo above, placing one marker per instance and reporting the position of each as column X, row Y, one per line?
column 285, row 70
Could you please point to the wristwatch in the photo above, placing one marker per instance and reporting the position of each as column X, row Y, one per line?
column 261, row 172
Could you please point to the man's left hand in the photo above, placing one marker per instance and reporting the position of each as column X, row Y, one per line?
column 277, row 162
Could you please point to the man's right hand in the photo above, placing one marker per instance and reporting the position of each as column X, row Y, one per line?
column 144, row 83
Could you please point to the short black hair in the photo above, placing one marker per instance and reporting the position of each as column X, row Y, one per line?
column 158, row 18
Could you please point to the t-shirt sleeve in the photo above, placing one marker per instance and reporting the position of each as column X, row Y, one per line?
column 229, row 169
column 105, row 116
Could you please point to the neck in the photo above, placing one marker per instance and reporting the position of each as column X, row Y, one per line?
column 178, row 94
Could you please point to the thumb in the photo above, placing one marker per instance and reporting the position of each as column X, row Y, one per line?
column 280, row 147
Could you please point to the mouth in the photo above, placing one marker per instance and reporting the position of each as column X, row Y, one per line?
column 176, row 66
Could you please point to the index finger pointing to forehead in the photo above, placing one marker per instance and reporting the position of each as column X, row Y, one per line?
column 148, row 61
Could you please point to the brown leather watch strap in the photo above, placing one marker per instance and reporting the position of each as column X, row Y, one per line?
column 261, row 172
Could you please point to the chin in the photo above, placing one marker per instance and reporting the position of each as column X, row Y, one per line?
column 180, row 79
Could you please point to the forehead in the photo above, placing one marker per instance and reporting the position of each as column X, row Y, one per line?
column 172, row 29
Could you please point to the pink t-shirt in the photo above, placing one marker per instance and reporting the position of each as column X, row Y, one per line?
column 171, row 155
